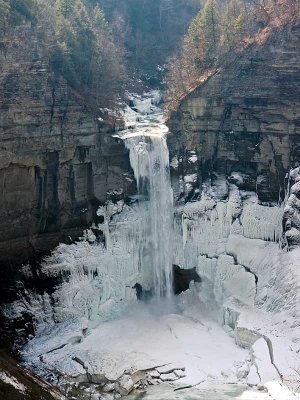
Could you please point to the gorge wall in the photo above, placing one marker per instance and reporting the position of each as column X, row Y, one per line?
column 58, row 161
column 234, row 141
column 244, row 118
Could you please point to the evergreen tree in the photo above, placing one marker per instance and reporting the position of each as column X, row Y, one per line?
column 201, row 42
column 75, row 42
column 217, row 33
column 85, row 52
column 4, row 11
column 234, row 24
column 15, row 11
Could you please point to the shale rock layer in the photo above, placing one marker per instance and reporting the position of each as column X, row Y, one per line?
column 245, row 118
column 58, row 161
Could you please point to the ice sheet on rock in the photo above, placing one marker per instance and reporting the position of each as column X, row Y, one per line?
column 262, row 360
column 99, row 280
column 277, row 391
column 252, row 324
column 130, row 117
column 233, row 280
column 206, row 218
column 276, row 270
column 209, row 390
column 207, row 225
column 38, row 305
column 253, row 378
column 49, row 338
column 261, row 222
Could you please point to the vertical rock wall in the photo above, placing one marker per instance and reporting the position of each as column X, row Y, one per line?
column 245, row 118
column 233, row 142
column 58, row 162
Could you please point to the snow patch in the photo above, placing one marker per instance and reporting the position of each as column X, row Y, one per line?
column 11, row 380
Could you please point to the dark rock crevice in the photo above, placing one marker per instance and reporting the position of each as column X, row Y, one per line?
column 181, row 282
column 52, row 109
column 183, row 277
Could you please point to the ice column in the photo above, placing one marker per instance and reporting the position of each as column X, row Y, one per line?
column 149, row 159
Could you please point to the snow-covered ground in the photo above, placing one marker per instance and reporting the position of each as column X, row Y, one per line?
column 179, row 344
column 192, row 344
column 214, row 391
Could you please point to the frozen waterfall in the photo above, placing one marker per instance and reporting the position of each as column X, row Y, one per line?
column 149, row 158
column 93, row 330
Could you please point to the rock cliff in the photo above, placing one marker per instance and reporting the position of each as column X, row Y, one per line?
column 18, row 383
column 58, row 161
column 245, row 118
column 234, row 145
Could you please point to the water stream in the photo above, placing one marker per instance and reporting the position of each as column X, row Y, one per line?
column 149, row 157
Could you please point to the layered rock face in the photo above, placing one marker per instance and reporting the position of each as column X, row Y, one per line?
column 58, row 162
column 245, row 118
column 233, row 142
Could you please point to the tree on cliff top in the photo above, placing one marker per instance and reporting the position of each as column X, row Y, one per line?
column 4, row 11
column 149, row 30
column 220, row 29
column 15, row 11
column 201, row 43
column 75, row 42
column 85, row 53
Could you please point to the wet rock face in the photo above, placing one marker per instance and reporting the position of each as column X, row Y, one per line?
column 57, row 161
column 245, row 119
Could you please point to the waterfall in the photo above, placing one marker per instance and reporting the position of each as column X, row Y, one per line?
column 149, row 158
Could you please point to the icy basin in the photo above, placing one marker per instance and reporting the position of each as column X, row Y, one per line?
column 218, row 392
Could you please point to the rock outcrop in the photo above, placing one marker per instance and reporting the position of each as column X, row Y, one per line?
column 245, row 118
column 58, row 161
column 17, row 383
